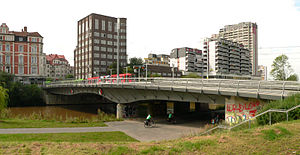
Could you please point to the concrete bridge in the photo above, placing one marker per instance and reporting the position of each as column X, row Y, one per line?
column 241, row 97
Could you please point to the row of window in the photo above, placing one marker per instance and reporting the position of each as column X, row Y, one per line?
column 21, row 59
column 20, row 49
column 109, row 36
column 21, row 69
column 104, row 49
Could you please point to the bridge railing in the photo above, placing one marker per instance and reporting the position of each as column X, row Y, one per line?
column 278, row 87
column 249, row 120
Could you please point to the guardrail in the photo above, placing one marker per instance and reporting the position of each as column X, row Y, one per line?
column 249, row 120
column 279, row 88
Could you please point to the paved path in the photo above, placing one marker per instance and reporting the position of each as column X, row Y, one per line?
column 134, row 129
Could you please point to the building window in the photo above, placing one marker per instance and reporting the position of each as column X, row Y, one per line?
column 115, row 27
column 103, row 49
column 123, row 43
column 109, row 49
column 103, row 62
column 103, row 55
column 0, row 61
column 21, row 59
column 96, row 41
column 96, row 55
column 96, row 48
column 96, row 62
column 7, row 47
column 103, row 25
column 109, row 56
column 20, row 38
column 96, row 24
column 109, row 36
column 123, row 37
column 33, row 49
column 21, row 48
column 33, row 70
column 103, row 35
column 7, row 59
column 0, row 47
column 33, row 40
column 103, row 42
column 122, row 30
column 96, row 34
column 21, row 70
column 109, row 26
column 109, row 43
column 33, row 60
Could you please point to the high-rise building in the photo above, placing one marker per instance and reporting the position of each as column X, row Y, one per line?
column 262, row 72
column 99, row 38
column 157, row 59
column 226, row 58
column 21, row 54
column 187, row 59
column 58, row 67
column 243, row 33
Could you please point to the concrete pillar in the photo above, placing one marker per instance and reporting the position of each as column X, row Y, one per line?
column 120, row 110
column 150, row 109
column 239, row 109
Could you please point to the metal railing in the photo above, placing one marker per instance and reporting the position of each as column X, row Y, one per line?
column 279, row 88
column 249, row 120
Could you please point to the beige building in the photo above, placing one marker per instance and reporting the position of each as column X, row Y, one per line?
column 58, row 67
column 262, row 72
column 157, row 59
column 243, row 33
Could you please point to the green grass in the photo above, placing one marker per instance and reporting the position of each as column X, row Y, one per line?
column 68, row 137
column 278, row 132
column 26, row 123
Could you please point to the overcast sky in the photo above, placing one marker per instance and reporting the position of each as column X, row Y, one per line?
column 158, row 26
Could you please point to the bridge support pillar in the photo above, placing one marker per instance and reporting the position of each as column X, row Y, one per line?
column 238, row 109
column 150, row 109
column 120, row 112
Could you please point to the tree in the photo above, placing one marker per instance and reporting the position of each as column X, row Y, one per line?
column 293, row 77
column 113, row 67
column 69, row 76
column 3, row 98
column 281, row 68
column 135, row 61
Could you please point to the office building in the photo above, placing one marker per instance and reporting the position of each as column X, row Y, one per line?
column 99, row 38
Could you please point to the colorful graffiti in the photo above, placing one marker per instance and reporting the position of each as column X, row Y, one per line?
column 238, row 109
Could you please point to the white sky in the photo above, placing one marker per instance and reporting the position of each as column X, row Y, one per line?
column 158, row 26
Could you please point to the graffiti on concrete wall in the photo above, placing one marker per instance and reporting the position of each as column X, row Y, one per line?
column 238, row 109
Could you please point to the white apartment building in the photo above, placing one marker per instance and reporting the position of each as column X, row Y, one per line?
column 187, row 60
column 226, row 58
column 243, row 33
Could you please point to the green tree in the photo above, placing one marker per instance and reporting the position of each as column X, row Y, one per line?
column 293, row 77
column 281, row 68
column 69, row 76
column 135, row 61
column 113, row 67
column 6, row 79
column 3, row 98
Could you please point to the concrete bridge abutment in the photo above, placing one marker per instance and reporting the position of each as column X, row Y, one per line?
column 238, row 109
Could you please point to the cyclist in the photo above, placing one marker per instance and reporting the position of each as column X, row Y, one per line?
column 170, row 117
column 148, row 119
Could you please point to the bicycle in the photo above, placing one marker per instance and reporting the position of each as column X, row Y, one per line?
column 150, row 124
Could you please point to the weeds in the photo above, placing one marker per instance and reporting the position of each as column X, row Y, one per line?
column 273, row 134
column 101, row 117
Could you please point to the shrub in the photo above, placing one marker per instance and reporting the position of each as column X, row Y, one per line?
column 276, row 117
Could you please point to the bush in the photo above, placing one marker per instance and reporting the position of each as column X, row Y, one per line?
column 276, row 117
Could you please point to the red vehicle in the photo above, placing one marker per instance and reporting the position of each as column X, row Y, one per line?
column 123, row 78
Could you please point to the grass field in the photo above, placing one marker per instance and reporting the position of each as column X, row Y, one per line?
column 282, row 138
column 27, row 123
column 115, row 136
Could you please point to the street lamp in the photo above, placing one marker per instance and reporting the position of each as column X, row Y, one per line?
column 118, row 48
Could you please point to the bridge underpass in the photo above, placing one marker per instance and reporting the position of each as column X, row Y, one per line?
column 243, row 98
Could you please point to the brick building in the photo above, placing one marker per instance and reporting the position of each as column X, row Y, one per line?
column 99, row 38
column 21, row 54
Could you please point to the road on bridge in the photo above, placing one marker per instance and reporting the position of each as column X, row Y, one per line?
column 135, row 129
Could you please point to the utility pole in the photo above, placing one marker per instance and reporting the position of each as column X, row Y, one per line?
column 118, row 49
column 146, row 71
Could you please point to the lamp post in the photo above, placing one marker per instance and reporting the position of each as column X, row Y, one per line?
column 118, row 48
column 146, row 71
